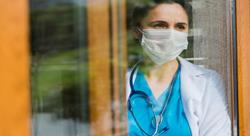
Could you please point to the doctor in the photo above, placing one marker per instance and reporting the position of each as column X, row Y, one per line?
column 167, row 95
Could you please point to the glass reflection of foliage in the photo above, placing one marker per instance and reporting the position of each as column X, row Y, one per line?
column 134, row 48
column 59, row 81
column 52, row 28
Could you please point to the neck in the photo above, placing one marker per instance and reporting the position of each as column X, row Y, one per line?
column 160, row 72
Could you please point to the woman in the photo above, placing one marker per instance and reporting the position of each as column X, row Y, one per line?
column 166, row 94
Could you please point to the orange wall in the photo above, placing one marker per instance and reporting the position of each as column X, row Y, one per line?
column 243, row 46
column 14, row 69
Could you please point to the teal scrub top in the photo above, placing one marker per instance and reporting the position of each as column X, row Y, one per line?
column 174, row 119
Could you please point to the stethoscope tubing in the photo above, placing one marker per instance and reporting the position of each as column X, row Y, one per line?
column 133, row 92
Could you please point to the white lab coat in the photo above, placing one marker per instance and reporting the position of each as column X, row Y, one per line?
column 204, row 100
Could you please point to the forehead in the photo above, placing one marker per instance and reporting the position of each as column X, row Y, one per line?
column 167, row 12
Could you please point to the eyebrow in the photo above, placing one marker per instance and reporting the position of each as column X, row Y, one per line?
column 182, row 23
column 164, row 22
column 157, row 22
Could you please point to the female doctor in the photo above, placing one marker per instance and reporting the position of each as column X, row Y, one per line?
column 167, row 95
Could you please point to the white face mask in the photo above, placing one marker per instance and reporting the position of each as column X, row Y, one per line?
column 163, row 45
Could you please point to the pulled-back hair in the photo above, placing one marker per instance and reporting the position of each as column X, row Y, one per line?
column 141, row 10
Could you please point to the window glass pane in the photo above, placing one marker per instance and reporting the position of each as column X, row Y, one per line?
column 83, row 53
column 59, row 73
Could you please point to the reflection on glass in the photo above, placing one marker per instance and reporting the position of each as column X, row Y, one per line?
column 59, row 74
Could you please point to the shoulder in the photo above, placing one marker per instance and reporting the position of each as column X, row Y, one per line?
column 200, row 73
column 194, row 70
column 129, row 80
column 199, row 83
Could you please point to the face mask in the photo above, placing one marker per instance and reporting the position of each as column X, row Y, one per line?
column 163, row 45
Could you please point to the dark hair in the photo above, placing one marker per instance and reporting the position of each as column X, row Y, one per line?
column 141, row 10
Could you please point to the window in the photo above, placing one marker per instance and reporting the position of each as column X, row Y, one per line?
column 81, row 51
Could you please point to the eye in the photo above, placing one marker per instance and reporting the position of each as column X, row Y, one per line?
column 181, row 26
column 159, row 25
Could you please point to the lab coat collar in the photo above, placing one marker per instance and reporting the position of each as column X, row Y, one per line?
column 192, row 80
column 190, row 68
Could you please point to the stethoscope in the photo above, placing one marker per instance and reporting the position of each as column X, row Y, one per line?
column 158, row 118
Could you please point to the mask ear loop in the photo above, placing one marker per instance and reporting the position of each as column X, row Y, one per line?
column 142, row 33
column 137, row 28
column 140, row 41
